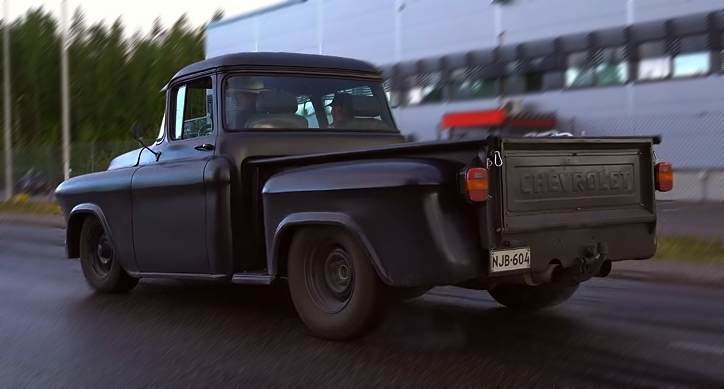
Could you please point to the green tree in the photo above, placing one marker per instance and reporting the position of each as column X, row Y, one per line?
column 115, row 80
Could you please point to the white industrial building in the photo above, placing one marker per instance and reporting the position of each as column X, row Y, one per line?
column 618, row 67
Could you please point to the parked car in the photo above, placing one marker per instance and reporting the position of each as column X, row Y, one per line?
column 34, row 183
column 351, row 215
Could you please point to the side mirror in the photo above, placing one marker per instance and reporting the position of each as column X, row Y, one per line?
column 137, row 132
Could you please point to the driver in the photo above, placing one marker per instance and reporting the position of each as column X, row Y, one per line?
column 243, row 90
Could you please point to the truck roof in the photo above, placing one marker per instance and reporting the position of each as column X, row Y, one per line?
column 280, row 59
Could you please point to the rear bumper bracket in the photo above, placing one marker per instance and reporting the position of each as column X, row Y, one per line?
column 583, row 272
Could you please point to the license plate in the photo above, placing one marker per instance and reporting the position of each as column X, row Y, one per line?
column 509, row 259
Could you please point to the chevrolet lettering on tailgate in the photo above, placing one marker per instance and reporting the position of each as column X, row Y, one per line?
column 592, row 181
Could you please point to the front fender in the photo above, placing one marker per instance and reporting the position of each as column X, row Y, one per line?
column 107, row 196
column 407, row 213
column 76, row 218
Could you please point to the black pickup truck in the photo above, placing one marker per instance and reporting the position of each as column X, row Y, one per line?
column 278, row 166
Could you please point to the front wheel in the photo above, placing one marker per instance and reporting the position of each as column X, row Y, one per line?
column 334, row 287
column 532, row 298
column 99, row 262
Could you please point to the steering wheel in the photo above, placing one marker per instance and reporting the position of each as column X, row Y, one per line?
column 204, row 130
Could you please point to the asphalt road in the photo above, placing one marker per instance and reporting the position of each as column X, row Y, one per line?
column 54, row 332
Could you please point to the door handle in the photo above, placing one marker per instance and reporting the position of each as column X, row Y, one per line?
column 205, row 147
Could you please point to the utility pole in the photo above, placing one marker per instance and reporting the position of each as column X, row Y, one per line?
column 64, row 88
column 8, row 119
column 399, row 6
column 499, row 44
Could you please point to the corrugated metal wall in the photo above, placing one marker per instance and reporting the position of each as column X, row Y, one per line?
column 688, row 112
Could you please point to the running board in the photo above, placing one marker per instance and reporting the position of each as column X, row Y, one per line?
column 252, row 279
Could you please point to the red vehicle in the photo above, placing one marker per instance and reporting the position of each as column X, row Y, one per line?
column 481, row 124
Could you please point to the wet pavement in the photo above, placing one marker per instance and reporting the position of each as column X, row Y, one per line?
column 56, row 333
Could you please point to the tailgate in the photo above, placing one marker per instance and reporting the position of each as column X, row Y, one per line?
column 576, row 183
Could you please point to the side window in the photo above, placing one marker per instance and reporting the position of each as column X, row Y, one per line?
column 193, row 109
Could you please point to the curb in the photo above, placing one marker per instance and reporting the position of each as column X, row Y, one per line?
column 33, row 220
column 668, row 278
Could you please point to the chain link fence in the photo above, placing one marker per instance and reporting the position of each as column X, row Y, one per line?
column 46, row 162
column 690, row 141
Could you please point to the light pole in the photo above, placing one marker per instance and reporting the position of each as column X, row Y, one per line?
column 8, row 121
column 64, row 91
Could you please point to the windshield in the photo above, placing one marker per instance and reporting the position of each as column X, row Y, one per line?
column 300, row 102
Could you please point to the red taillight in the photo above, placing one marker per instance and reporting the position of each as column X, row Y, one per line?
column 664, row 176
column 476, row 184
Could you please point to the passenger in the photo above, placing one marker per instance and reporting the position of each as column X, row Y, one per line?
column 244, row 90
column 341, row 108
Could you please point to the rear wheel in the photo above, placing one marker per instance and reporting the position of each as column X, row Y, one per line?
column 99, row 262
column 532, row 298
column 333, row 284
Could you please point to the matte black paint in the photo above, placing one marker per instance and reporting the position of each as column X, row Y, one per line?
column 413, row 200
column 227, row 212
column 320, row 63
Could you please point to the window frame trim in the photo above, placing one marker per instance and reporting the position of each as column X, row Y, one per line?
column 171, row 105
column 221, row 82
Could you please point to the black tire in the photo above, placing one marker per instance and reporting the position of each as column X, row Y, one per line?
column 99, row 262
column 333, row 284
column 532, row 298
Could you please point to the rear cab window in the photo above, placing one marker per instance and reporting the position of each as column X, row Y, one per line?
column 305, row 102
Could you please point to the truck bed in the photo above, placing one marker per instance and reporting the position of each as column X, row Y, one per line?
column 560, row 198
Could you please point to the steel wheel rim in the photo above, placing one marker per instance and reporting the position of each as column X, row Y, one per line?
column 329, row 275
column 102, row 255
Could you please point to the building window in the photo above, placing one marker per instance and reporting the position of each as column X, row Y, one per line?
column 655, row 64
column 534, row 77
column 692, row 65
column 694, row 58
column 431, row 90
column 478, row 89
column 579, row 73
column 613, row 69
column 534, row 82
column 470, row 88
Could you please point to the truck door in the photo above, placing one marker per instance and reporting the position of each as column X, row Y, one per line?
column 169, row 197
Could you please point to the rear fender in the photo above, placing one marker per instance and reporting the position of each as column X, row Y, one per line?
column 284, row 233
column 406, row 213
